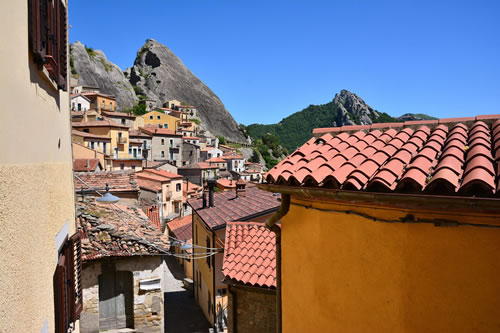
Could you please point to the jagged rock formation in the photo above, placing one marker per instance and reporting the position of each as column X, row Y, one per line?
column 352, row 110
column 94, row 69
column 160, row 75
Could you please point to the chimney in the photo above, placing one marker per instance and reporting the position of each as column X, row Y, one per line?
column 240, row 188
column 204, row 198
column 211, row 185
column 88, row 164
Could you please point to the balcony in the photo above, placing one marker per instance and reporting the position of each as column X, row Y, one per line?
column 121, row 140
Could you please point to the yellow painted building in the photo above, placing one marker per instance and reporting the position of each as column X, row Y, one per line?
column 157, row 118
column 389, row 249
column 209, row 235
column 100, row 102
column 37, row 208
column 118, row 134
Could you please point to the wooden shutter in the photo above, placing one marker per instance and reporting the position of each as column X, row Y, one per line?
column 75, row 265
column 60, row 295
column 62, row 45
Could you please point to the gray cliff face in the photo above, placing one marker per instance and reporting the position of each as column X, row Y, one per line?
column 352, row 110
column 161, row 76
column 97, row 71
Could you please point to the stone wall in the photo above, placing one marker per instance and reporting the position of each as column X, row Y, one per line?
column 148, row 305
column 251, row 310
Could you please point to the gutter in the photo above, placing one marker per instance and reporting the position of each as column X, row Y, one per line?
column 271, row 225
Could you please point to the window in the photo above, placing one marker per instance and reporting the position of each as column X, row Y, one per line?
column 122, row 166
column 130, row 150
column 162, row 141
column 92, row 144
column 162, row 153
column 171, row 155
column 123, row 121
column 178, row 187
column 102, row 104
column 79, row 107
column 68, row 285
column 158, row 117
column 48, row 38
column 86, row 130
column 171, row 143
column 150, row 117
column 104, row 147
column 133, row 167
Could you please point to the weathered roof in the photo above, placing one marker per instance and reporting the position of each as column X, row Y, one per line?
column 104, row 234
column 118, row 114
column 119, row 181
column 456, row 156
column 228, row 207
column 226, row 183
column 159, row 131
column 250, row 254
column 181, row 227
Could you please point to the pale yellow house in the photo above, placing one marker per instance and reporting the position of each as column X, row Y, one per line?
column 118, row 135
column 172, row 104
column 100, row 101
column 37, row 213
column 162, row 120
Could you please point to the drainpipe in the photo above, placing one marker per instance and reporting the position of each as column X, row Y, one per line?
column 213, row 278
column 271, row 225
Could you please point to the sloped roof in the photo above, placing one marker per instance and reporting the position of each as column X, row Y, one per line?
column 228, row 207
column 181, row 227
column 89, row 135
column 455, row 156
column 216, row 160
column 98, row 123
column 250, row 254
column 118, row 181
column 104, row 234
column 159, row 131
column 153, row 213
column 85, row 164
column 227, row 183
column 118, row 114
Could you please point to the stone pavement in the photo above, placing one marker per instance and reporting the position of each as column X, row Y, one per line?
column 182, row 313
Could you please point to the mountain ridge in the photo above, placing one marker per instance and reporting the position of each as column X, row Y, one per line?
column 346, row 108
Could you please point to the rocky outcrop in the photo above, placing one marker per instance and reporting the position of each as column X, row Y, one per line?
column 352, row 110
column 161, row 76
column 94, row 69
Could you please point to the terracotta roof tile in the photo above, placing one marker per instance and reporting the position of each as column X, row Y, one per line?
column 456, row 156
column 228, row 207
column 85, row 164
column 98, row 123
column 181, row 228
column 250, row 254
column 118, row 181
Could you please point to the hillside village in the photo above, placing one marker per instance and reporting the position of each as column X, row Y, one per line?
column 120, row 222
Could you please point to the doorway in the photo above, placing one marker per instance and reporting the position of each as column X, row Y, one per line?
column 116, row 300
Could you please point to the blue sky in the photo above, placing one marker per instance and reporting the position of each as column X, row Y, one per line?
column 266, row 59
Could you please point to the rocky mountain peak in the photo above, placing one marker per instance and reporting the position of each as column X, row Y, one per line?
column 352, row 110
column 92, row 68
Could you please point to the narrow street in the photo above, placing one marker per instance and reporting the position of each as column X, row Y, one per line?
column 182, row 313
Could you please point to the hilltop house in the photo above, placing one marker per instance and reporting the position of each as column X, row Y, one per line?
column 122, row 254
column 166, row 145
column 80, row 102
column 160, row 120
column 198, row 173
column 209, row 152
column 122, row 118
column 210, row 216
column 100, row 102
column 40, row 273
column 407, row 215
column 190, row 153
column 116, row 133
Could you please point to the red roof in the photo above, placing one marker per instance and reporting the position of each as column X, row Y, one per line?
column 228, row 207
column 191, row 138
column 181, row 227
column 85, row 164
column 159, row 131
column 163, row 173
column 119, row 181
column 250, row 254
column 153, row 214
column 216, row 160
column 118, row 114
column 94, row 94
column 226, row 183
column 457, row 156
column 133, row 132
column 153, row 185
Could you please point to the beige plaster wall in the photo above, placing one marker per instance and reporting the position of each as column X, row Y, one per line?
column 36, row 182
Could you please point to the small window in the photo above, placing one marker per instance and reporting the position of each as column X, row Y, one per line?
column 133, row 167
column 92, row 144
column 86, row 130
column 178, row 187
column 130, row 150
column 150, row 117
column 165, row 125
column 158, row 117
column 123, row 121
column 162, row 153
column 162, row 141
column 79, row 107
column 122, row 166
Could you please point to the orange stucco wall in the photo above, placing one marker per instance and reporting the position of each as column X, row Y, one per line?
column 344, row 273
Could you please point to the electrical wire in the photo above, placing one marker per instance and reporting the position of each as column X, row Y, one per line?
column 409, row 218
column 194, row 255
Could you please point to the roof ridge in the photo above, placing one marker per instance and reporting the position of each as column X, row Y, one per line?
column 468, row 121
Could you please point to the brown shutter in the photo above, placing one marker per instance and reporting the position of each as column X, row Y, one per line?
column 75, row 266
column 60, row 295
column 63, row 42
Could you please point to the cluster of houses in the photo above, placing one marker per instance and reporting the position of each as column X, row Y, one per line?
column 168, row 175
